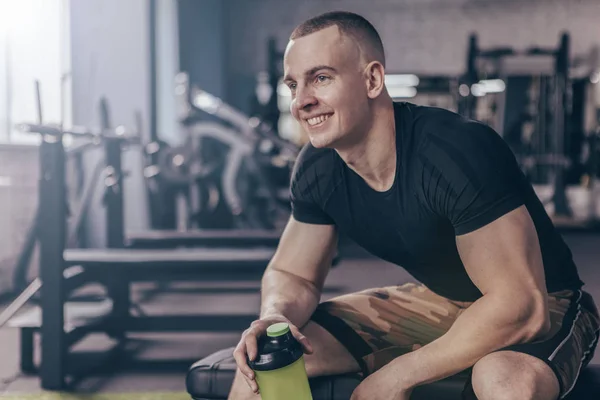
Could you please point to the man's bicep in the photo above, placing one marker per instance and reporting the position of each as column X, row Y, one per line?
column 306, row 250
column 505, row 256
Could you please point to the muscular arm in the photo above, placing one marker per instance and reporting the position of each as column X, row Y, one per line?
column 504, row 260
column 294, row 279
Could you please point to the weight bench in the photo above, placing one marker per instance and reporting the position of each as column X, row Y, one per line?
column 214, row 238
column 62, row 322
column 237, row 238
column 175, row 264
column 211, row 379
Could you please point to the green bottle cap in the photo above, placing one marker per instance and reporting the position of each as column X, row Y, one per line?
column 278, row 329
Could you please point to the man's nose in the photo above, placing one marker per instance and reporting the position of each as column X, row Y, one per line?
column 305, row 98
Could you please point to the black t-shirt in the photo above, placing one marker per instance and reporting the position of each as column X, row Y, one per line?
column 453, row 176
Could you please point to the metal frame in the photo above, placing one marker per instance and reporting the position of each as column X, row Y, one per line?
column 52, row 234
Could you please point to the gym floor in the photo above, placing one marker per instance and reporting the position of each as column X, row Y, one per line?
column 357, row 271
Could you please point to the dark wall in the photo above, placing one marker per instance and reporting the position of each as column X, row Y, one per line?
column 203, row 44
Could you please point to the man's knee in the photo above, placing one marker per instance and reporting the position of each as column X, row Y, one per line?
column 510, row 375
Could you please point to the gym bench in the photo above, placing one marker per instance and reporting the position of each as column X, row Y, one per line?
column 63, row 323
column 211, row 379
column 203, row 238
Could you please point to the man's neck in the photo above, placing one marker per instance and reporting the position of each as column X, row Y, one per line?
column 374, row 156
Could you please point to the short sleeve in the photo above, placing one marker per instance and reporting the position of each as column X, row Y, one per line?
column 307, row 186
column 470, row 175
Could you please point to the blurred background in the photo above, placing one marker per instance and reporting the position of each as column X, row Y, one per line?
column 169, row 116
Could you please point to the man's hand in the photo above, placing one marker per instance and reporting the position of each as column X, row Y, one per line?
column 248, row 345
column 385, row 384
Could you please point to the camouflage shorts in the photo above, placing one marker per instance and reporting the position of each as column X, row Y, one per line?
column 378, row 325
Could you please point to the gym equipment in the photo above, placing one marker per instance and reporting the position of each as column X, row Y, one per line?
column 162, row 195
column 109, row 170
column 485, row 65
column 264, row 104
column 211, row 379
column 279, row 366
column 63, row 323
column 85, row 192
column 500, row 86
column 225, row 175
column 162, row 238
column 104, row 169
column 63, row 320
column 237, row 238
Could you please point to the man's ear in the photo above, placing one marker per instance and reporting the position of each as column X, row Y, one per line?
column 375, row 79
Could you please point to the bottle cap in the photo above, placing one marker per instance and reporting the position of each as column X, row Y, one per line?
column 278, row 329
column 277, row 349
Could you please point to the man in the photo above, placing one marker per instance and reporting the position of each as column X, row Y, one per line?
column 443, row 197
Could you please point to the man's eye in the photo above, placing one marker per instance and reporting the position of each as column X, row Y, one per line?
column 292, row 86
column 322, row 78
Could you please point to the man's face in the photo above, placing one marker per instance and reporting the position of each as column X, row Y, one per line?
column 329, row 91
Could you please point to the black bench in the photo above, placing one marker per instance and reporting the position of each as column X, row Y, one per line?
column 211, row 379
column 238, row 238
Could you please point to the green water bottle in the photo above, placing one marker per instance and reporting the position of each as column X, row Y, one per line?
column 279, row 366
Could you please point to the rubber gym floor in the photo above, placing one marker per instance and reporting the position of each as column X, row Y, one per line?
column 162, row 360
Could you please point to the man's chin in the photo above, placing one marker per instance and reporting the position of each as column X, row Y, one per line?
column 320, row 141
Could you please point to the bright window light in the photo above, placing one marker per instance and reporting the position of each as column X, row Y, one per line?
column 492, row 85
column 402, row 92
column 407, row 80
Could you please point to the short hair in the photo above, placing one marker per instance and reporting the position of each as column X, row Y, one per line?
column 350, row 24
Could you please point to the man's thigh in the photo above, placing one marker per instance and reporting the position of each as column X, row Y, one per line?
column 378, row 325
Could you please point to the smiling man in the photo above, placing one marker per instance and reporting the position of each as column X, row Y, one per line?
column 443, row 197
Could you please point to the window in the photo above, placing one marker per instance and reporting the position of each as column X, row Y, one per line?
column 34, row 45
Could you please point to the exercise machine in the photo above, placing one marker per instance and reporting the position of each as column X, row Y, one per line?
column 104, row 170
column 62, row 319
column 227, row 170
column 527, row 97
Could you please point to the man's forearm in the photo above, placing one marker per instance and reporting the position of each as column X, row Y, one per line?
column 283, row 293
column 487, row 325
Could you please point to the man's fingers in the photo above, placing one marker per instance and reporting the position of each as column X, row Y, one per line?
column 250, row 382
column 302, row 339
column 240, row 358
column 251, row 346
column 252, row 385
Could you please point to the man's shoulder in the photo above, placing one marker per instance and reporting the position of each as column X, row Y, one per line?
column 442, row 126
column 311, row 159
column 314, row 170
column 430, row 120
